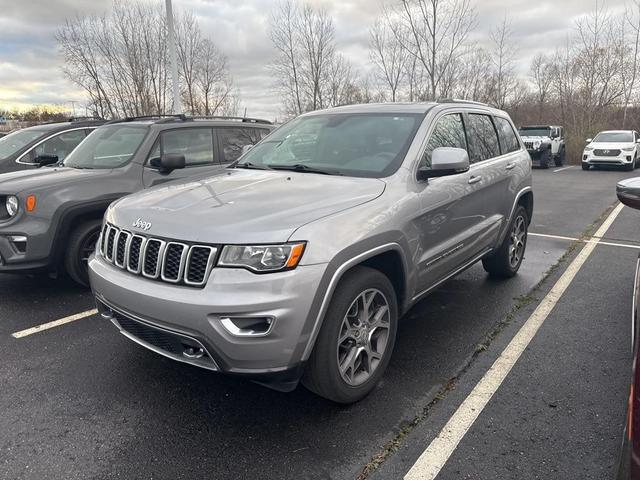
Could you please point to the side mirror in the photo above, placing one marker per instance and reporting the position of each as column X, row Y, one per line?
column 628, row 192
column 246, row 148
column 168, row 162
column 43, row 160
column 445, row 161
column 589, row 140
column 638, row 140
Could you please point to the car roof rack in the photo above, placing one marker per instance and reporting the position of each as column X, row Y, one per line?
column 163, row 117
column 458, row 100
column 85, row 119
column 236, row 119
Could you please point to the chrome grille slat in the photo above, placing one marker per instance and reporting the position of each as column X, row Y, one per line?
column 158, row 259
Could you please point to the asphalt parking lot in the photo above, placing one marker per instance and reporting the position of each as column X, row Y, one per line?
column 81, row 401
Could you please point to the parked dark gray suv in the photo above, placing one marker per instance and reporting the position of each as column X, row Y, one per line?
column 299, row 261
column 50, row 217
column 44, row 144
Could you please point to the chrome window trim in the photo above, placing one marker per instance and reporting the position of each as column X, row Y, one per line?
column 19, row 159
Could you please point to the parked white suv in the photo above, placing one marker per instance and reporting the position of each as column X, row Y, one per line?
column 612, row 148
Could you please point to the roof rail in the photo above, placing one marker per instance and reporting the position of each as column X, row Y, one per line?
column 458, row 100
column 237, row 119
column 178, row 116
column 84, row 119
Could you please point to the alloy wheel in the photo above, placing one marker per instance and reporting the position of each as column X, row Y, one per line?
column 363, row 337
column 518, row 238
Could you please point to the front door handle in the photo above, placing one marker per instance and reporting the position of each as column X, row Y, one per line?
column 510, row 165
column 475, row 179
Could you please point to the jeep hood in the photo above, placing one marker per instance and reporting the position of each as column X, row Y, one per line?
column 535, row 137
column 242, row 206
column 39, row 179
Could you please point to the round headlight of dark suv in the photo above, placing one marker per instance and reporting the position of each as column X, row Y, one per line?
column 11, row 204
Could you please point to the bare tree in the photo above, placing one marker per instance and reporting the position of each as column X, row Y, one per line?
column 503, row 56
column 310, row 74
column 438, row 33
column 629, row 50
column 388, row 56
column 120, row 60
column 542, row 77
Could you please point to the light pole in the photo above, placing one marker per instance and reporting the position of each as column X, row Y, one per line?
column 176, row 108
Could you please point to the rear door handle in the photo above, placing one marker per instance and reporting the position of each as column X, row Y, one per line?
column 510, row 165
column 475, row 179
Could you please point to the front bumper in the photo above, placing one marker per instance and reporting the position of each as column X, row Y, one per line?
column 26, row 245
column 624, row 158
column 198, row 315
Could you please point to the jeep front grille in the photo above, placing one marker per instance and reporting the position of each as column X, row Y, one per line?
column 528, row 145
column 158, row 259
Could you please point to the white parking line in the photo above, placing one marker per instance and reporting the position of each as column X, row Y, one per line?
column 586, row 240
column 55, row 323
column 561, row 169
column 438, row 452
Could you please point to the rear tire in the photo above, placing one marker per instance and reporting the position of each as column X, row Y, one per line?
column 355, row 343
column 82, row 242
column 560, row 158
column 506, row 260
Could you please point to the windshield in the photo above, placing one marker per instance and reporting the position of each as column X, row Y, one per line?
column 535, row 132
column 361, row 145
column 112, row 146
column 619, row 137
column 17, row 140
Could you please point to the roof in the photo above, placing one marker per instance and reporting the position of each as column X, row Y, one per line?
column 71, row 123
column 181, row 119
column 401, row 107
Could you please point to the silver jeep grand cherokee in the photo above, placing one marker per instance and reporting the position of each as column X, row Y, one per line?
column 297, row 261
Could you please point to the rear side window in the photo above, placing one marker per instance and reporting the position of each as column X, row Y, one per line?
column 482, row 137
column 60, row 145
column 508, row 140
column 233, row 139
column 448, row 132
column 196, row 144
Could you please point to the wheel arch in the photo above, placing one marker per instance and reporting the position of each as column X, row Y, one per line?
column 388, row 258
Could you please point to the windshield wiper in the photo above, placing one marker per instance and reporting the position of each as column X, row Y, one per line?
column 251, row 166
column 300, row 167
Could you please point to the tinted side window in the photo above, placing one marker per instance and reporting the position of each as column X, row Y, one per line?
column 483, row 138
column 508, row 139
column 448, row 132
column 196, row 144
column 233, row 139
column 61, row 145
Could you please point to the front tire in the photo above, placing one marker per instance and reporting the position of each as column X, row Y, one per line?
column 506, row 260
column 560, row 158
column 585, row 166
column 82, row 243
column 545, row 158
column 354, row 346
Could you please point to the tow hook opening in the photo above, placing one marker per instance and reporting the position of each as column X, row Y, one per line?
column 192, row 351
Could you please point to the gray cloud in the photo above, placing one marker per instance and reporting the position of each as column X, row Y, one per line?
column 30, row 63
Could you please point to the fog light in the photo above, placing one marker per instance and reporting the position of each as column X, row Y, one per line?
column 584, row 157
column 248, row 326
column 628, row 158
column 19, row 243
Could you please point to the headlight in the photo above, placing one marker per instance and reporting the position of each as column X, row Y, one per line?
column 262, row 258
column 536, row 144
column 588, row 149
column 12, row 205
column 628, row 149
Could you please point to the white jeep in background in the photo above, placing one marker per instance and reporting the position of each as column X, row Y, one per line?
column 545, row 143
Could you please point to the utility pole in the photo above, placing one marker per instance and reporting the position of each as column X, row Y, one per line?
column 176, row 108
column 73, row 106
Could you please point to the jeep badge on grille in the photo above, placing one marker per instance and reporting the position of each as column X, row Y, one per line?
column 141, row 224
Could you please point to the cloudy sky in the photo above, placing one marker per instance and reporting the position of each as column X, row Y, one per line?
column 30, row 62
